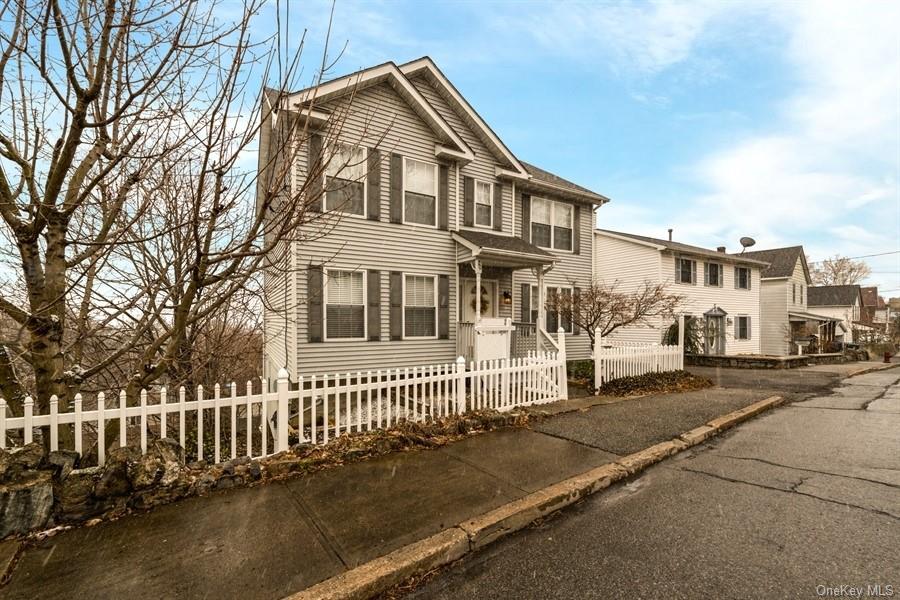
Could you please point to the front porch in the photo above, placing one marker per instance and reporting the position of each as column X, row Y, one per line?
column 486, row 329
column 811, row 333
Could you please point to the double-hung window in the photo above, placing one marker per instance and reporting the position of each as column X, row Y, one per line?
column 742, row 278
column 742, row 328
column 714, row 274
column 555, row 318
column 345, row 180
column 420, row 189
column 484, row 204
column 552, row 224
column 420, row 306
column 685, row 270
column 345, row 305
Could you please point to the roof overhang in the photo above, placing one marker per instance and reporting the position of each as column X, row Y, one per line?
column 805, row 316
column 497, row 257
column 490, row 139
column 304, row 102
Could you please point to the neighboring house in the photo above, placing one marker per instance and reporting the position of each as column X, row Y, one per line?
column 786, row 319
column 843, row 302
column 442, row 226
column 719, row 289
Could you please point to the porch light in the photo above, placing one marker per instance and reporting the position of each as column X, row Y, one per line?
column 507, row 297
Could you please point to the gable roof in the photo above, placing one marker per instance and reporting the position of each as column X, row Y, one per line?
column 781, row 261
column 384, row 73
column 683, row 248
column 453, row 146
column 426, row 66
column 871, row 298
column 832, row 295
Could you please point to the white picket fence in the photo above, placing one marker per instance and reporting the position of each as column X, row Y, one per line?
column 317, row 408
column 614, row 360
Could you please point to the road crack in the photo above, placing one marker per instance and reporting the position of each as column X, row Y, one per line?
column 796, row 491
column 775, row 464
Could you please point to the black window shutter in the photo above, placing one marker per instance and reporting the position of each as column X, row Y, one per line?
column 314, row 303
column 677, row 269
column 315, row 168
column 749, row 329
column 694, row 272
column 526, row 303
column 396, row 188
column 443, row 307
column 443, row 196
column 576, row 296
column 373, row 180
column 706, row 267
column 498, row 207
column 468, row 201
column 373, row 315
column 526, row 217
column 576, row 232
column 737, row 273
column 396, row 305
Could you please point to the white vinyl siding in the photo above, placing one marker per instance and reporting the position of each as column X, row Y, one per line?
column 552, row 224
column 420, row 306
column 345, row 180
column 630, row 265
column 484, row 205
column 345, row 305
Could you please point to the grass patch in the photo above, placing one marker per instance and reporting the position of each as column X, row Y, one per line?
column 655, row 383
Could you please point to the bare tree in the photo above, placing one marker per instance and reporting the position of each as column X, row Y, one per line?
column 603, row 306
column 839, row 270
column 125, row 194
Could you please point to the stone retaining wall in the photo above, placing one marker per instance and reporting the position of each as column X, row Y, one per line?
column 763, row 362
column 39, row 490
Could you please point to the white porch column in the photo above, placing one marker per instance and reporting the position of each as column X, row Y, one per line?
column 542, row 311
column 476, row 265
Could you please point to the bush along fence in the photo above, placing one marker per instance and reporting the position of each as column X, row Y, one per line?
column 226, row 425
column 614, row 360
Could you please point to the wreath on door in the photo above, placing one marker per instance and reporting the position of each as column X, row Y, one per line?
column 485, row 304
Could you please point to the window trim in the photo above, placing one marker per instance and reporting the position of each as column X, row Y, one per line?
column 737, row 328
column 721, row 269
column 437, row 173
column 553, row 204
column 365, row 305
column 403, row 335
column 547, row 286
column 365, row 180
column 737, row 279
column 475, row 204
column 693, row 280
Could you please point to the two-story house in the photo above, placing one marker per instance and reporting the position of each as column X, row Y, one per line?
column 719, row 289
column 787, row 323
column 841, row 302
column 438, row 227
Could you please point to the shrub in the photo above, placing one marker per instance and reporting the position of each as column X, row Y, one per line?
column 655, row 383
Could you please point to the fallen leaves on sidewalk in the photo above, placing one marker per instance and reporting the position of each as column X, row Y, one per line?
column 655, row 383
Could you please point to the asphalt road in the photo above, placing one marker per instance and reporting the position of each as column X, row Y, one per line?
column 795, row 504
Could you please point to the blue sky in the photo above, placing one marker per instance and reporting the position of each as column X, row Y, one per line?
column 720, row 119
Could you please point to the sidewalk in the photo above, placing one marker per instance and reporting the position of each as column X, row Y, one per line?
column 273, row 540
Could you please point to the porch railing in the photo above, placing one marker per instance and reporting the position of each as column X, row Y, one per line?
column 524, row 339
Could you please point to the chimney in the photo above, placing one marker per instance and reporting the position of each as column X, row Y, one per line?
column 670, row 234
column 721, row 249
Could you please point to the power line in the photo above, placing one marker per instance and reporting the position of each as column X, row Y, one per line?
column 855, row 257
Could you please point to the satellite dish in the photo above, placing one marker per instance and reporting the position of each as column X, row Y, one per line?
column 746, row 242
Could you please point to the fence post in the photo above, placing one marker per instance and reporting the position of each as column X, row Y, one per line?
column 598, row 339
column 563, row 370
column 54, row 423
column 460, row 376
column 282, row 386
column 680, row 341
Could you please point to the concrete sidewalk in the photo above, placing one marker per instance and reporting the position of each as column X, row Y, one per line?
column 273, row 540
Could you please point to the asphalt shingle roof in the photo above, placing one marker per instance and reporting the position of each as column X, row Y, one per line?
column 541, row 175
column 832, row 295
column 501, row 242
column 781, row 260
column 687, row 248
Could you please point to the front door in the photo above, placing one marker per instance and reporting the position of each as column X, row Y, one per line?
column 488, row 299
column 714, row 335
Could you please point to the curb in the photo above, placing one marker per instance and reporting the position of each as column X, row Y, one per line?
column 884, row 367
column 379, row 575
